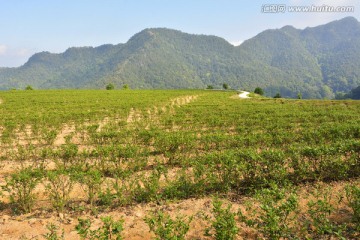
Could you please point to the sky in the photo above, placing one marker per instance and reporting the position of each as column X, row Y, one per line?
column 30, row 26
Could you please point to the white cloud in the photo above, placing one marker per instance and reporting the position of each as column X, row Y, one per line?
column 22, row 52
column 3, row 49
column 13, row 56
column 236, row 43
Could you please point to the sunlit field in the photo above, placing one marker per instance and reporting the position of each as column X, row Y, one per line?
column 206, row 164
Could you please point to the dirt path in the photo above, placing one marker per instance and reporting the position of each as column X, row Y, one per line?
column 69, row 129
column 134, row 116
column 244, row 94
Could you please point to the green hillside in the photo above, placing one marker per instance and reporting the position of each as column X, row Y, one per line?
column 316, row 62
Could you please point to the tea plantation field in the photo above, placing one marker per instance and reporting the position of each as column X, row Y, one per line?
column 177, row 164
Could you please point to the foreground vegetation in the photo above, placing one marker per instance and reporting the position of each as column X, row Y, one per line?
column 286, row 168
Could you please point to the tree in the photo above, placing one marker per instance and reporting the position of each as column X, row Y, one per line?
column 125, row 87
column 210, row 87
column 326, row 92
column 110, row 86
column 299, row 95
column 28, row 87
column 355, row 93
column 259, row 91
column 277, row 95
column 225, row 86
column 340, row 96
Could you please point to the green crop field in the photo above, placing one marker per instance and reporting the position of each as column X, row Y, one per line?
column 175, row 164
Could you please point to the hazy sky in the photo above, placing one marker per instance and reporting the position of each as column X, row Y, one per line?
column 29, row 26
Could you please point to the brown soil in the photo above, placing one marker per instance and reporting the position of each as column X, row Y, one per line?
column 33, row 225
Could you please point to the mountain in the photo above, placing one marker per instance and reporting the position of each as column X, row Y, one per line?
column 353, row 94
column 316, row 62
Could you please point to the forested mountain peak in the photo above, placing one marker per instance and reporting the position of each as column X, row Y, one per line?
column 316, row 62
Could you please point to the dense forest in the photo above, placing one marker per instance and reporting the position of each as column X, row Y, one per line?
column 316, row 62
column 353, row 94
